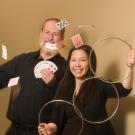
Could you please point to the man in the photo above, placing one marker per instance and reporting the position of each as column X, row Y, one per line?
column 31, row 93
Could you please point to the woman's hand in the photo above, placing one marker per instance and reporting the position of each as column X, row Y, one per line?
column 129, row 75
column 47, row 129
column 131, row 58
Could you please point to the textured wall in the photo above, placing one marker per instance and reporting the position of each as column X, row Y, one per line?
column 20, row 25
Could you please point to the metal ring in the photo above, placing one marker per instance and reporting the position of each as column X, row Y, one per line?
column 107, row 38
column 106, row 119
column 59, row 100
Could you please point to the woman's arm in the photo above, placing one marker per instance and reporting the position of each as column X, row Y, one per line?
column 129, row 76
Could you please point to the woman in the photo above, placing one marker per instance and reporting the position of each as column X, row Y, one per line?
column 90, row 97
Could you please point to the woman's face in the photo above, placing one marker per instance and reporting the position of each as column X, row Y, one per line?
column 79, row 63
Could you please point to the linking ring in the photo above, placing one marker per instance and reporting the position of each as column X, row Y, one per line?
column 59, row 100
column 92, row 50
column 106, row 119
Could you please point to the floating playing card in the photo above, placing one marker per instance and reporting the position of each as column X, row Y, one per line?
column 50, row 46
column 4, row 52
column 13, row 81
column 62, row 24
column 44, row 65
column 77, row 40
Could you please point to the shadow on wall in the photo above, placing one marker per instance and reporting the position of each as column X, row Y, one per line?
column 119, row 121
column 126, row 106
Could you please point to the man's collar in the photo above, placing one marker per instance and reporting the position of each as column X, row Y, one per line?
column 37, row 56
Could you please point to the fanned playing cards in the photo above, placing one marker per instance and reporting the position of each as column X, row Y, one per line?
column 44, row 65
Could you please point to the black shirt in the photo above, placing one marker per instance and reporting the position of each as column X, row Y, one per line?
column 68, row 121
column 27, row 98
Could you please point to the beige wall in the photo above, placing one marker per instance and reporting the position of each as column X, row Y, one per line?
column 19, row 28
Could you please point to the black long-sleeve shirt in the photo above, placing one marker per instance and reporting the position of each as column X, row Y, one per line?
column 31, row 93
column 69, row 123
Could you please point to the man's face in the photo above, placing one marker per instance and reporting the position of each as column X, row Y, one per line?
column 50, row 33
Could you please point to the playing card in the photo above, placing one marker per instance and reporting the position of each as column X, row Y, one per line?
column 52, row 67
column 77, row 40
column 13, row 81
column 50, row 46
column 4, row 52
column 37, row 69
column 44, row 65
column 62, row 24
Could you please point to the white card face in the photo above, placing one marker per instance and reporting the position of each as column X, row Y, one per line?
column 4, row 52
column 44, row 65
column 62, row 24
column 50, row 46
column 52, row 67
column 41, row 65
column 13, row 81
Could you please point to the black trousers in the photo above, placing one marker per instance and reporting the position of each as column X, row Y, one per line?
column 15, row 129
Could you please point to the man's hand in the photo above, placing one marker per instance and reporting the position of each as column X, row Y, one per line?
column 47, row 76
